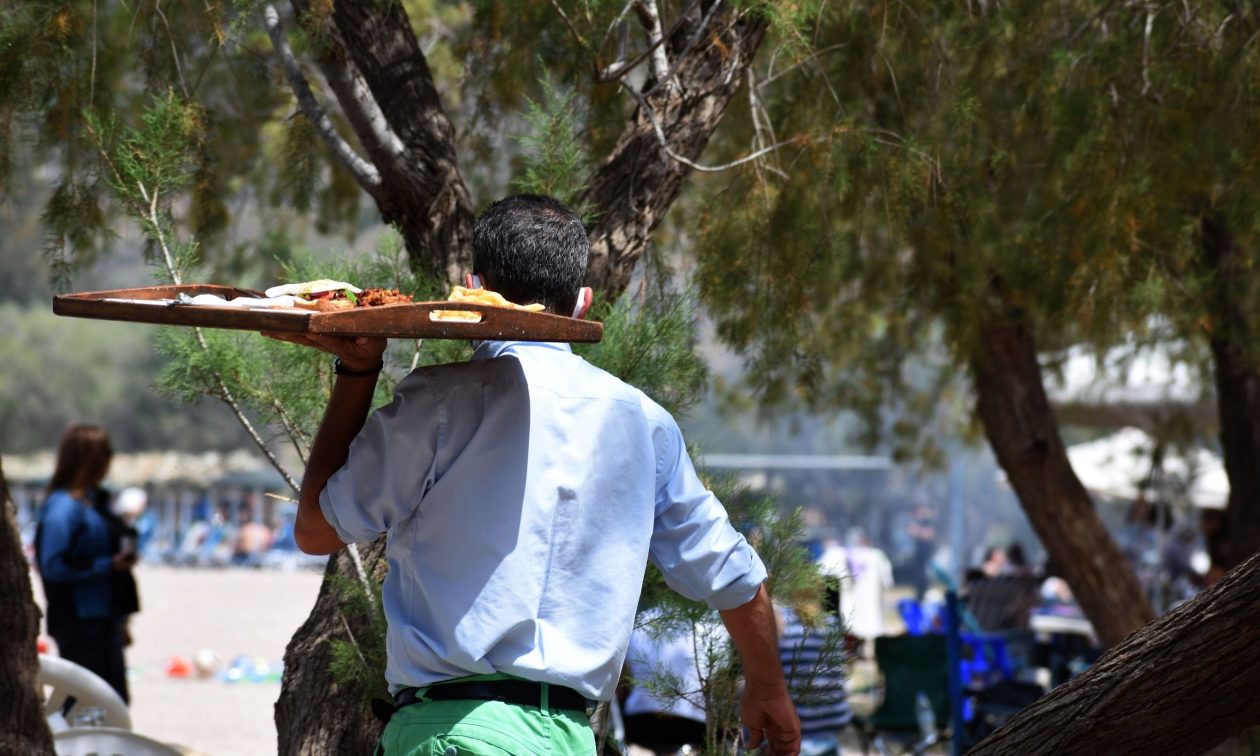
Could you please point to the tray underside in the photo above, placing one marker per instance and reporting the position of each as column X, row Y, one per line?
column 159, row 305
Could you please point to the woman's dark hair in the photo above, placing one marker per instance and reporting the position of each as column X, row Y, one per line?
column 83, row 458
column 532, row 249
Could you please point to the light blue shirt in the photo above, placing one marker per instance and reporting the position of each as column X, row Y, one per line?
column 523, row 493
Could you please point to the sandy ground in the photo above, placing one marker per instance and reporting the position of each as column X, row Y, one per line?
column 230, row 613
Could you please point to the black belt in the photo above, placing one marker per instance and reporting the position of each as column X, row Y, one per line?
column 520, row 692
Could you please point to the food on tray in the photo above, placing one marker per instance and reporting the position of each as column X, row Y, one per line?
column 214, row 300
column 382, row 297
column 324, row 295
column 345, row 299
column 478, row 296
column 313, row 289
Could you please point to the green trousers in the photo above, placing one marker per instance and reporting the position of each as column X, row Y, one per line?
column 485, row 728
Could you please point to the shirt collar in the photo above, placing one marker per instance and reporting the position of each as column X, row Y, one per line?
column 488, row 350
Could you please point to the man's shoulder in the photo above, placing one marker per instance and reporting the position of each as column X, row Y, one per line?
column 452, row 374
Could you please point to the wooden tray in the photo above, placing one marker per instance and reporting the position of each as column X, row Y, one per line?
column 158, row 304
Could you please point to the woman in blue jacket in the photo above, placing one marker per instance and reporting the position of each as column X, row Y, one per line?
column 76, row 561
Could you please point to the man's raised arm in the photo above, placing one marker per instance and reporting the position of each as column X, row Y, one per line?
column 360, row 361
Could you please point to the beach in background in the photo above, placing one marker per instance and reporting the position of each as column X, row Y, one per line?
column 225, row 614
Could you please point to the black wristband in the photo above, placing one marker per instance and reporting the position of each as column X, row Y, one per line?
column 341, row 369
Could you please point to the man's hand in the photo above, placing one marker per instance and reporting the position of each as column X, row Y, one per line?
column 772, row 721
column 124, row 560
column 355, row 352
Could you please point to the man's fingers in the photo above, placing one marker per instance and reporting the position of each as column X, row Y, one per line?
column 292, row 338
column 754, row 738
column 786, row 745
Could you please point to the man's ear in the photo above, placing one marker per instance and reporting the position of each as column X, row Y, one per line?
column 585, row 296
column 472, row 281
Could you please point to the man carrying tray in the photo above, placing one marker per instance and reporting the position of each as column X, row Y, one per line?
column 523, row 493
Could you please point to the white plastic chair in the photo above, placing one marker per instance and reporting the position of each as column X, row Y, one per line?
column 108, row 741
column 90, row 692
column 110, row 732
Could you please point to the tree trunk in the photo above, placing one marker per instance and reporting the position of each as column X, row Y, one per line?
column 1237, row 371
column 23, row 728
column 638, row 182
column 1022, row 429
column 1181, row 685
column 316, row 715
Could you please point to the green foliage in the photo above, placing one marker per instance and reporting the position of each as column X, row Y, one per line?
column 964, row 164
column 650, row 344
column 148, row 163
column 359, row 661
column 73, row 222
column 154, row 158
column 62, row 62
column 554, row 161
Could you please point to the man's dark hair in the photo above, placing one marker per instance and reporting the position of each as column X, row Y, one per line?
column 532, row 248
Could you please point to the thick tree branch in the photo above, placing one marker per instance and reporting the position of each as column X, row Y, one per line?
column 363, row 171
column 362, row 110
column 631, row 191
column 372, row 61
column 1182, row 684
column 650, row 15
column 646, row 107
column 1021, row 427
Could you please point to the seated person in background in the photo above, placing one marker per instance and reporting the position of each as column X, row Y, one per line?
column 813, row 657
column 664, row 710
column 999, row 600
column 252, row 540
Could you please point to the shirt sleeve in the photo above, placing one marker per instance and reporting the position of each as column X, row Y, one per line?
column 695, row 546
column 390, row 467
column 57, row 561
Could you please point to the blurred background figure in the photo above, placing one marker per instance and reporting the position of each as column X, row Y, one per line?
column 1002, row 592
column 812, row 651
column 1017, row 561
column 865, row 576
column 663, row 710
column 78, row 558
column 922, row 529
column 253, row 538
column 120, row 514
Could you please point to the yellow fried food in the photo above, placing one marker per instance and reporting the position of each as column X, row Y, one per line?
column 478, row 296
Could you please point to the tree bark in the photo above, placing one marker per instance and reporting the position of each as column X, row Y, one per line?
column 1236, row 362
column 422, row 191
column 23, row 728
column 1182, row 685
column 1022, row 429
column 637, row 183
column 316, row 715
